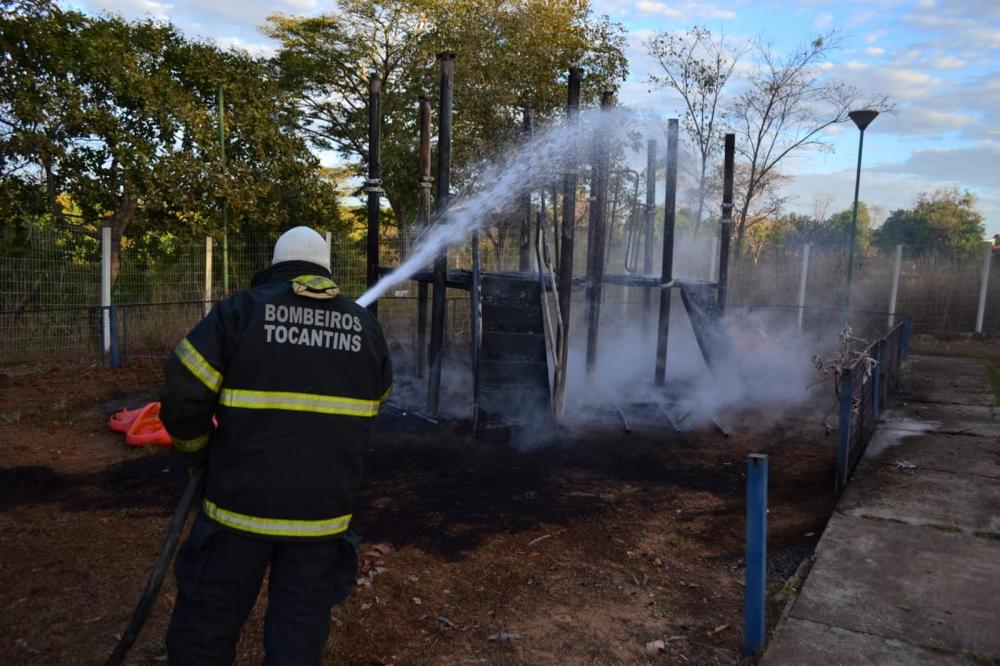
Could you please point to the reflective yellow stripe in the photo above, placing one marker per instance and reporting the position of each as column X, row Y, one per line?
column 298, row 402
column 315, row 281
column 276, row 526
column 190, row 445
column 315, row 286
column 385, row 395
column 198, row 365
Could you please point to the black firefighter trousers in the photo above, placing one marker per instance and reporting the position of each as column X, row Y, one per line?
column 219, row 573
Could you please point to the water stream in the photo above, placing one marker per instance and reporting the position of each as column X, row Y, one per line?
column 531, row 165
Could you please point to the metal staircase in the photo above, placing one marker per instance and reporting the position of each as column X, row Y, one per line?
column 514, row 385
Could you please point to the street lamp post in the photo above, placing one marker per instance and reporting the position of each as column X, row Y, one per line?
column 862, row 119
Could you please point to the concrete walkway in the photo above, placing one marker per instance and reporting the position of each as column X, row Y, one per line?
column 908, row 569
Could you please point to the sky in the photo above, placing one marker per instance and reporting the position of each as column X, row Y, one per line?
column 937, row 60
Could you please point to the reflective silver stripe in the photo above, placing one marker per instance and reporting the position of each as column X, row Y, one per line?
column 276, row 526
column 190, row 445
column 198, row 365
column 298, row 402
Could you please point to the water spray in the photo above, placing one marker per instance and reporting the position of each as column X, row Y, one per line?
column 502, row 182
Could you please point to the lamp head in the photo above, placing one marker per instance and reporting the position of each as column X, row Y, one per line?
column 863, row 118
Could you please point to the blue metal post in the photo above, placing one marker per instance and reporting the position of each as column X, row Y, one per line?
column 844, row 428
column 883, row 373
column 877, row 379
column 905, row 338
column 756, row 556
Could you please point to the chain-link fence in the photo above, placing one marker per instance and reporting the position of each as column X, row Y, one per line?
column 940, row 292
column 50, row 305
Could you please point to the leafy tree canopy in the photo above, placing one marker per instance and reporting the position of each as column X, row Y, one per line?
column 119, row 119
column 945, row 220
column 509, row 55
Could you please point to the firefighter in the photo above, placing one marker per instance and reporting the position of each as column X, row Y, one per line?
column 293, row 373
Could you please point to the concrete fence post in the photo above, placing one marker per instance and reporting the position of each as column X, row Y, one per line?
column 803, row 279
column 106, row 291
column 208, row 274
column 896, row 264
column 755, row 591
column 983, row 284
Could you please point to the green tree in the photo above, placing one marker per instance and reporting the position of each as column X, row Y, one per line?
column 839, row 226
column 943, row 221
column 510, row 55
column 115, row 122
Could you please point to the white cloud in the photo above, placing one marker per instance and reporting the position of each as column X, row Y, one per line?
column 658, row 8
column 946, row 62
column 875, row 35
column 823, row 20
column 874, row 51
column 971, row 23
column 861, row 17
column 913, row 120
column 258, row 49
column 135, row 8
column 889, row 191
column 685, row 11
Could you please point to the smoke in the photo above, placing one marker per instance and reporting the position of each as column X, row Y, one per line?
column 766, row 367
column 763, row 362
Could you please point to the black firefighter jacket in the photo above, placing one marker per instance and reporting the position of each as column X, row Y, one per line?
column 293, row 374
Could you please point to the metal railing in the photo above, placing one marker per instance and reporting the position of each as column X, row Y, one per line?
column 864, row 389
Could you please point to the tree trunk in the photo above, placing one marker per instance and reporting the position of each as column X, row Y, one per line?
column 701, row 198
column 741, row 226
column 119, row 222
column 402, row 229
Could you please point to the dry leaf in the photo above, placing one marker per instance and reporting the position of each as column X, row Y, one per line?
column 718, row 630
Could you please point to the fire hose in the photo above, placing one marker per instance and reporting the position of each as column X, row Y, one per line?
column 166, row 555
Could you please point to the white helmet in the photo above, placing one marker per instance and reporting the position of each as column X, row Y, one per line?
column 302, row 244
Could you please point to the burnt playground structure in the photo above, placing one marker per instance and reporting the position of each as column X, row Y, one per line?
column 520, row 320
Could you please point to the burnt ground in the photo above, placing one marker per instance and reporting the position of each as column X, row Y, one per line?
column 581, row 552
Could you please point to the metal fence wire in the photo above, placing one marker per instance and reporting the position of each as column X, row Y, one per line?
column 50, row 305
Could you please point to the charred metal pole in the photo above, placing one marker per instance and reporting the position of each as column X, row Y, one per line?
column 568, row 216
column 649, row 219
column 727, row 220
column 423, row 221
column 555, row 223
column 667, row 268
column 447, row 64
column 525, row 240
column 475, row 303
column 373, row 186
column 221, row 119
column 595, row 286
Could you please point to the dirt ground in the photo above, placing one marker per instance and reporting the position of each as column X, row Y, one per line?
column 473, row 553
